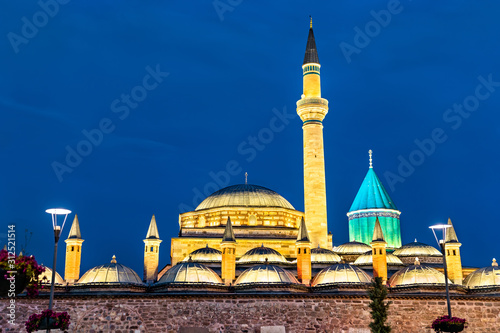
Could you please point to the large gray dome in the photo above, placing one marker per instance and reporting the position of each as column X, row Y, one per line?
column 244, row 195
column 190, row 272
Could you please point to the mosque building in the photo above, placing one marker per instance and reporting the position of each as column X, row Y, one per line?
column 247, row 238
column 248, row 234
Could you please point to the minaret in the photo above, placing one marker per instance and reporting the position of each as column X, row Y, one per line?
column 379, row 254
column 452, row 251
column 312, row 109
column 228, row 245
column 151, row 252
column 73, row 253
column 303, row 245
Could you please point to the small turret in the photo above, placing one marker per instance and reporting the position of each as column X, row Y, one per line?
column 228, row 245
column 379, row 254
column 73, row 253
column 452, row 252
column 151, row 252
column 303, row 245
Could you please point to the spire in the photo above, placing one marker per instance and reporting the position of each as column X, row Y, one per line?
column 303, row 236
column 228, row 232
column 74, row 232
column 378, row 235
column 153, row 229
column 370, row 152
column 372, row 194
column 451, row 236
column 311, row 55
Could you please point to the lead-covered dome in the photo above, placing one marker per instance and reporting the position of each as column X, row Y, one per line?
column 205, row 254
column 46, row 277
column 190, row 272
column 261, row 255
column 484, row 277
column 324, row 256
column 244, row 195
column 367, row 259
column 417, row 249
column 352, row 248
column 416, row 274
column 266, row 274
column 340, row 273
column 111, row 273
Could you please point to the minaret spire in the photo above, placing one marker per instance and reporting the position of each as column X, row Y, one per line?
column 312, row 109
column 151, row 252
column 153, row 229
column 73, row 253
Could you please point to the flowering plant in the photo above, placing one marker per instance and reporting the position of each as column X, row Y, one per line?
column 449, row 324
column 55, row 320
column 26, row 265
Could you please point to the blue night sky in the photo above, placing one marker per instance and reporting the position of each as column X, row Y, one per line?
column 173, row 93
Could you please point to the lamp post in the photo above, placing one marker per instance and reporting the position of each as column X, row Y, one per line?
column 55, row 212
column 441, row 245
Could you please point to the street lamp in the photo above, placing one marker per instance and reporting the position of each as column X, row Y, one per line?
column 55, row 212
column 441, row 245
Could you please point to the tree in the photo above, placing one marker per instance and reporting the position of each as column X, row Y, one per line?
column 379, row 308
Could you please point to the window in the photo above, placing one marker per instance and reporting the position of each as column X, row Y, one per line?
column 299, row 251
column 454, row 252
column 380, row 251
column 151, row 249
column 72, row 248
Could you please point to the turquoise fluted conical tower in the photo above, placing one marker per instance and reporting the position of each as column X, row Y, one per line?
column 373, row 201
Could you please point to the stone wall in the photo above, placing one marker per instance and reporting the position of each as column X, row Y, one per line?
column 248, row 313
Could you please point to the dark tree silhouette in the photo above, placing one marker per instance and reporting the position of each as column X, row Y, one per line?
column 379, row 308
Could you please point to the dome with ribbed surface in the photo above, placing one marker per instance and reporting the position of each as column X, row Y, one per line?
column 244, row 195
column 352, row 248
column 205, row 254
column 416, row 274
column 417, row 249
column 367, row 259
column 111, row 273
column 266, row 274
column 340, row 273
column 190, row 272
column 46, row 277
column 261, row 255
column 320, row 255
column 484, row 277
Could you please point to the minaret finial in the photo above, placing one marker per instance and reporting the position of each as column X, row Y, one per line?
column 311, row 24
column 246, row 178
column 370, row 153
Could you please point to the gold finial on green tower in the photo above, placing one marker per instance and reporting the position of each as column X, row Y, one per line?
column 370, row 152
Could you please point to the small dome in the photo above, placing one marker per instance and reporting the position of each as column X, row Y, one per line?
column 484, row 277
column 416, row 274
column 205, row 254
column 266, row 274
column 190, row 272
column 340, row 273
column 110, row 273
column 244, row 195
column 417, row 249
column 320, row 255
column 352, row 248
column 367, row 259
column 46, row 277
column 260, row 254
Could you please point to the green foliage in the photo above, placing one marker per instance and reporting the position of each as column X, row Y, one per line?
column 379, row 308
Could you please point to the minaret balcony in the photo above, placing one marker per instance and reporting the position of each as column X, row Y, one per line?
column 312, row 108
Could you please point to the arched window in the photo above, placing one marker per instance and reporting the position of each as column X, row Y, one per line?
column 252, row 220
